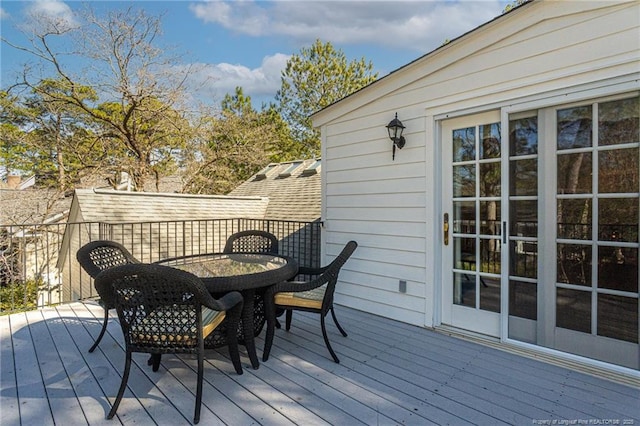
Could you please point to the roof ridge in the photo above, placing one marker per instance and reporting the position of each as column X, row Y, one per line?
column 84, row 191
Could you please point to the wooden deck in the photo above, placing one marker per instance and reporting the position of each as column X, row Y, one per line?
column 390, row 373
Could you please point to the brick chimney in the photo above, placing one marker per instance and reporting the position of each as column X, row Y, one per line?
column 13, row 181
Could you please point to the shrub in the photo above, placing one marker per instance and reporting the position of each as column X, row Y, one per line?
column 19, row 296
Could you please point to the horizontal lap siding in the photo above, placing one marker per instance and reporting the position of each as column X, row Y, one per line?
column 523, row 58
column 380, row 203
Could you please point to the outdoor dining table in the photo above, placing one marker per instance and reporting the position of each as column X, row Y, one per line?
column 250, row 274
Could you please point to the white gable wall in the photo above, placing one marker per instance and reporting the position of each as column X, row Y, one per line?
column 544, row 49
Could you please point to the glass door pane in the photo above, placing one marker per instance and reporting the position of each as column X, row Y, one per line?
column 523, row 232
column 597, row 205
column 476, row 217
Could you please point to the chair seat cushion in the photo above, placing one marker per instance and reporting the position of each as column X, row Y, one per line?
column 162, row 327
column 211, row 319
column 304, row 299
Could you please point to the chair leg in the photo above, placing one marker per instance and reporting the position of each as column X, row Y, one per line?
column 270, row 312
column 279, row 312
column 288, row 319
column 154, row 360
column 123, row 386
column 196, row 415
column 335, row 320
column 326, row 340
column 104, row 328
column 232, row 338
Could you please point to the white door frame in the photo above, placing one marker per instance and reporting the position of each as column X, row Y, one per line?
column 465, row 318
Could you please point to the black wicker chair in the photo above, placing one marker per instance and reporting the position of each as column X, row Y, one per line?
column 95, row 257
column 252, row 241
column 165, row 310
column 312, row 296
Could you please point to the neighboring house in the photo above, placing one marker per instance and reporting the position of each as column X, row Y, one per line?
column 27, row 248
column 293, row 188
column 512, row 210
column 152, row 225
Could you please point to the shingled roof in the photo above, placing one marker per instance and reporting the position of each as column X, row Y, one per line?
column 92, row 205
column 293, row 189
column 25, row 203
column 31, row 206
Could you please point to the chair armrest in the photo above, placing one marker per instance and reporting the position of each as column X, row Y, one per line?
column 296, row 286
column 304, row 270
column 225, row 303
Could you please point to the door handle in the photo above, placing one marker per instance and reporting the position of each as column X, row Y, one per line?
column 445, row 229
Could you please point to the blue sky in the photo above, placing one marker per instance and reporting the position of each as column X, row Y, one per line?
column 247, row 43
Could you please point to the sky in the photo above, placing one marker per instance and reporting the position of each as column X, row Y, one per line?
column 247, row 43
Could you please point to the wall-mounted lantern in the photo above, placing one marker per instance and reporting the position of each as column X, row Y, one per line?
column 395, row 129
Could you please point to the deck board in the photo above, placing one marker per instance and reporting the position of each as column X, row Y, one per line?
column 33, row 400
column 390, row 373
column 9, row 391
column 64, row 405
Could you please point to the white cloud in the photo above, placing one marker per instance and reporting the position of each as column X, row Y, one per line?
column 3, row 14
column 216, row 80
column 420, row 25
column 50, row 13
column 417, row 26
column 244, row 17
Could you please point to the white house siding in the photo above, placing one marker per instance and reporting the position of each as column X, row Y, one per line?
column 539, row 50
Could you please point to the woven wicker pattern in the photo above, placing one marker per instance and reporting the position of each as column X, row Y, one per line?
column 252, row 241
column 164, row 310
column 95, row 257
column 173, row 324
column 303, row 295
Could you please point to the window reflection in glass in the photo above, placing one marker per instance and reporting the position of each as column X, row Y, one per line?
column 464, row 289
column 618, row 122
column 523, row 137
column 524, row 259
column 490, row 138
column 490, row 294
column 573, row 309
column 464, row 253
column 524, row 218
column 523, row 299
column 464, row 144
column 464, row 217
column 490, row 179
column 574, row 264
column 490, row 255
column 574, row 173
column 618, row 268
column 523, row 177
column 490, row 218
column 574, row 219
column 618, row 219
column 574, row 127
column 464, row 181
column 618, row 170
column 618, row 317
